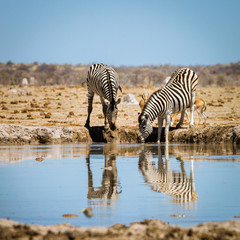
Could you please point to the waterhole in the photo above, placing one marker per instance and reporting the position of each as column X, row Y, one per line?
column 176, row 183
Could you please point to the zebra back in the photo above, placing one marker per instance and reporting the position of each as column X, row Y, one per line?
column 174, row 97
column 103, row 80
column 186, row 77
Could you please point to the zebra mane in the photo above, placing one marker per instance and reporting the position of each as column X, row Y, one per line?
column 176, row 75
column 146, row 103
column 110, row 85
column 108, row 70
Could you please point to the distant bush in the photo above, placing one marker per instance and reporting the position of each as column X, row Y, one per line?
column 67, row 74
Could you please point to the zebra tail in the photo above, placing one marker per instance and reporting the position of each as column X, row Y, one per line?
column 120, row 88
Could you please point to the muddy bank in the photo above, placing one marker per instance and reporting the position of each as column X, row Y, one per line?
column 207, row 134
column 18, row 134
column 148, row 229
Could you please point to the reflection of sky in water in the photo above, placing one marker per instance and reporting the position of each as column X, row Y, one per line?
column 40, row 192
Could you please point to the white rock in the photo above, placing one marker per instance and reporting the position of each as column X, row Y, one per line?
column 129, row 99
column 25, row 82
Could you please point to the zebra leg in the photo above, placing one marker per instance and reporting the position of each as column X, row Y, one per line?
column 90, row 176
column 104, row 109
column 90, row 101
column 181, row 119
column 171, row 124
column 167, row 124
column 160, row 123
column 194, row 195
column 168, row 172
column 187, row 115
column 192, row 109
column 160, row 160
column 167, row 156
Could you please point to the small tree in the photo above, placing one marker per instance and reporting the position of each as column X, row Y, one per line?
column 9, row 63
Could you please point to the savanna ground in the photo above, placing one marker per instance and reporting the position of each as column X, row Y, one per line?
column 67, row 106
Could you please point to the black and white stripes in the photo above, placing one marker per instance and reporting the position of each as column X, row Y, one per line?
column 103, row 80
column 176, row 96
column 162, row 178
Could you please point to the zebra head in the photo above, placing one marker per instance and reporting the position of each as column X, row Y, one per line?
column 112, row 111
column 145, row 127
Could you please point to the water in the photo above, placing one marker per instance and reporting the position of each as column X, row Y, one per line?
column 179, row 184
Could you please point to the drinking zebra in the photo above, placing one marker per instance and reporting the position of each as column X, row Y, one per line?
column 103, row 80
column 199, row 104
column 176, row 96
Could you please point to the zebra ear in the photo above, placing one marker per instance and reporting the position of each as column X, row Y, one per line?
column 143, row 117
column 106, row 102
column 118, row 101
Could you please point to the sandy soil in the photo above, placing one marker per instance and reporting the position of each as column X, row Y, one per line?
column 67, row 106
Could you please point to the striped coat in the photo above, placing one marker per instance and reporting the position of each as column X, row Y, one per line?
column 176, row 96
column 103, row 81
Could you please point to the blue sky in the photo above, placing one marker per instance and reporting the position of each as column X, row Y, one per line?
column 125, row 32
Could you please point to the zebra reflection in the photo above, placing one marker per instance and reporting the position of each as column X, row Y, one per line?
column 163, row 179
column 109, row 184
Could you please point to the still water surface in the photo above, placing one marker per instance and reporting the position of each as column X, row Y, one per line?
column 179, row 184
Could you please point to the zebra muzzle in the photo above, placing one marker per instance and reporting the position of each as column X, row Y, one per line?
column 140, row 139
column 112, row 126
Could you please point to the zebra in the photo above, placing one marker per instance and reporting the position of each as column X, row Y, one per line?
column 163, row 179
column 103, row 80
column 176, row 96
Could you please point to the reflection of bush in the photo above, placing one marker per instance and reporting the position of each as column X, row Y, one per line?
column 49, row 74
